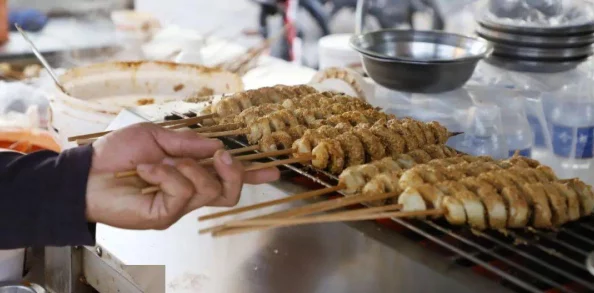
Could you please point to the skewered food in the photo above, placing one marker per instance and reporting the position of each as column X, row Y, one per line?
column 497, row 194
column 356, row 177
column 359, row 144
column 236, row 103
column 284, row 119
column 311, row 107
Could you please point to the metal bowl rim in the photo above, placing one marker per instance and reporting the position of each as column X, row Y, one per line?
column 488, row 49
column 521, row 60
column 532, row 39
column 400, row 61
column 588, row 48
column 574, row 30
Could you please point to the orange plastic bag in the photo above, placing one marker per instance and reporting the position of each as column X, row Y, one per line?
column 27, row 140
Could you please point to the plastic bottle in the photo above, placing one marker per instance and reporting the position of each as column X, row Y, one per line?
column 536, row 114
column 484, row 133
column 516, row 128
column 572, row 130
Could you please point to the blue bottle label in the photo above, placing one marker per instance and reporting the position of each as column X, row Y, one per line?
column 563, row 140
column 539, row 137
column 527, row 152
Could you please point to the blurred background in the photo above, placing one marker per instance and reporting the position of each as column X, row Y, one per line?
column 247, row 21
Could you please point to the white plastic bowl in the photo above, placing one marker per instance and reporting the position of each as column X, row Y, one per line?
column 99, row 92
column 335, row 51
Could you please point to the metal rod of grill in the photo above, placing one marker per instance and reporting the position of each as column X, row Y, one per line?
column 562, row 243
column 547, row 250
column 576, row 236
column 586, row 226
column 536, row 260
column 519, row 267
column 466, row 255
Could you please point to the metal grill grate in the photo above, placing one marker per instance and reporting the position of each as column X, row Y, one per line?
column 524, row 261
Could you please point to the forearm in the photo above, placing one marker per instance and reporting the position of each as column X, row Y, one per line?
column 42, row 198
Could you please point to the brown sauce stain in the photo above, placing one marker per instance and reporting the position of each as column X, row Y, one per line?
column 202, row 95
column 178, row 87
column 147, row 101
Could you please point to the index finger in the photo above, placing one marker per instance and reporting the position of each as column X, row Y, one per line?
column 231, row 174
column 186, row 143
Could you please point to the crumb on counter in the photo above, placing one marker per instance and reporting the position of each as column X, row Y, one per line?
column 178, row 87
column 147, row 101
column 202, row 95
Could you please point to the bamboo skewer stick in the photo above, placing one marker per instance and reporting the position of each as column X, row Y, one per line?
column 308, row 219
column 245, row 131
column 343, row 218
column 300, row 159
column 175, row 124
column 296, row 197
column 235, row 132
column 252, row 167
column 308, row 210
column 218, row 127
column 231, row 152
column 253, row 156
column 85, row 141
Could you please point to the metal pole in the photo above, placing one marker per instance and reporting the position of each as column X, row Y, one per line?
column 360, row 15
column 63, row 270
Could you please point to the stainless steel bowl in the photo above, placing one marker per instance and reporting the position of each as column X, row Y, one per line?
column 420, row 46
column 419, row 61
column 418, row 77
column 515, row 64
column 14, row 287
column 535, row 41
column 541, row 54
column 567, row 30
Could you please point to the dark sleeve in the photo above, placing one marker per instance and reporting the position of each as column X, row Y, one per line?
column 43, row 198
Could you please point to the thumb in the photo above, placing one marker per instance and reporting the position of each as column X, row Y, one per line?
column 186, row 143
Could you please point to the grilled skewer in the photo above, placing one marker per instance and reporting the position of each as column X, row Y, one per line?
column 353, row 179
column 328, row 153
column 236, row 103
column 354, row 148
column 310, row 118
column 459, row 200
column 231, row 105
column 530, row 195
column 311, row 107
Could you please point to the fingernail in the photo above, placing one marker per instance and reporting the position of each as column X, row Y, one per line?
column 226, row 158
column 169, row 161
column 144, row 167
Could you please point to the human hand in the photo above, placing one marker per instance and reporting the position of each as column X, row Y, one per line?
column 167, row 159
